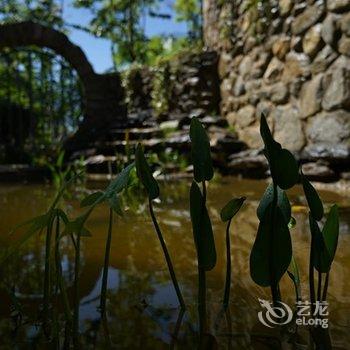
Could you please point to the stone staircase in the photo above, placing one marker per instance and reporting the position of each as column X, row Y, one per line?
column 106, row 155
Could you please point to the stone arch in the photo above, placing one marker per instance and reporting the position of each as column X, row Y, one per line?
column 103, row 93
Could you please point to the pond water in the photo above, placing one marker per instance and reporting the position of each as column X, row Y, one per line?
column 142, row 305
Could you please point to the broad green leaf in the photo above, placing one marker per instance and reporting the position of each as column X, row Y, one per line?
column 77, row 226
column 286, row 170
column 114, row 203
column 272, row 250
column 231, row 208
column 144, row 173
column 36, row 224
column 92, row 199
column 313, row 199
column 321, row 259
column 331, row 231
column 120, row 182
column 202, row 230
column 200, row 151
column 282, row 202
column 283, row 166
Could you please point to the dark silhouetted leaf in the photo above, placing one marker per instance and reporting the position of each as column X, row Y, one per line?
column 200, row 150
column 331, row 231
column 36, row 224
column 144, row 173
column 231, row 208
column 313, row 199
column 282, row 202
column 272, row 249
column 283, row 166
column 202, row 230
column 286, row 170
column 92, row 199
column 321, row 259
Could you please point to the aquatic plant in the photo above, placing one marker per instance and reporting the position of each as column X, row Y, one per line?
column 145, row 175
column 201, row 225
column 227, row 214
column 272, row 250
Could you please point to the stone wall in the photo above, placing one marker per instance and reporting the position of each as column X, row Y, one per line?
column 290, row 60
column 185, row 85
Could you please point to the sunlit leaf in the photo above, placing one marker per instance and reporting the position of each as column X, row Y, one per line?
column 313, row 199
column 292, row 222
column 200, row 151
column 282, row 202
column 92, row 199
column 202, row 230
column 272, row 249
column 144, row 173
column 231, row 208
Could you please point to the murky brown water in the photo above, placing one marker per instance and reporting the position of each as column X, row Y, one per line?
column 138, row 272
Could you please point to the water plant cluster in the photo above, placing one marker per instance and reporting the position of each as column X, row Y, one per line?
column 271, row 255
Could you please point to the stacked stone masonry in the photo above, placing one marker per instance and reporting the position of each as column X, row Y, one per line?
column 290, row 61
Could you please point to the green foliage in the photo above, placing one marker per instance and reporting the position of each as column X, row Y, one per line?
column 272, row 250
column 231, row 208
column 282, row 203
column 283, row 166
column 202, row 230
column 190, row 11
column 200, row 152
column 313, row 199
column 145, row 174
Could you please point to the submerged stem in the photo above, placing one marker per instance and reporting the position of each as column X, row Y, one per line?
column 228, row 266
column 106, row 264
column 47, row 274
column 166, row 254
column 76, row 293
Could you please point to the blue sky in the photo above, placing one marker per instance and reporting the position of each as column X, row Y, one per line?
column 98, row 50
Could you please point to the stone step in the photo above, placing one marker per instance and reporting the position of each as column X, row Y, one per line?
column 134, row 134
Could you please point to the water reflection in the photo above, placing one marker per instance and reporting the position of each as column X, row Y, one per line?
column 142, row 308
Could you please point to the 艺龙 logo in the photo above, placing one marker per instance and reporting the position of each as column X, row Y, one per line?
column 274, row 315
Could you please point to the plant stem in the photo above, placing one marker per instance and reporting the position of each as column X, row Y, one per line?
column 202, row 303
column 167, row 256
column 76, row 294
column 202, row 287
column 319, row 286
column 47, row 274
column 311, row 276
column 60, row 280
column 276, row 296
column 106, row 264
column 325, row 288
column 228, row 266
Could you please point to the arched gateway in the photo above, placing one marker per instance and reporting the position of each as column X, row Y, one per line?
column 103, row 93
